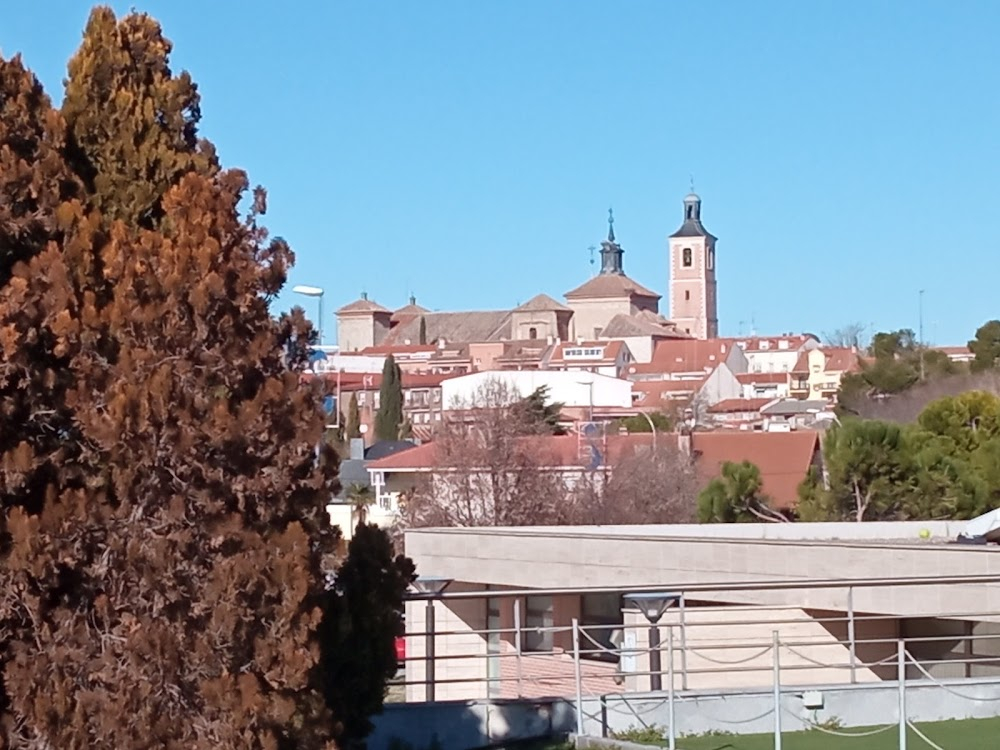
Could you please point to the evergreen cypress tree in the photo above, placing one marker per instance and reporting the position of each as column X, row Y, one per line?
column 132, row 124
column 353, row 418
column 389, row 419
column 166, row 553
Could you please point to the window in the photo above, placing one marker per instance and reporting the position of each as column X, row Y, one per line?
column 711, row 258
column 532, row 333
column 689, row 212
column 539, row 615
column 687, row 296
column 605, row 612
column 687, row 257
column 584, row 353
column 597, row 332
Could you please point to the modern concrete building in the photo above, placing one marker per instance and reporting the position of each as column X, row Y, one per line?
column 839, row 596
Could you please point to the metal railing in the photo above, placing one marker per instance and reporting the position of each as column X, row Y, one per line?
column 707, row 645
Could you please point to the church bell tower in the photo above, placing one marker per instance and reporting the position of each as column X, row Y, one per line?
column 693, row 301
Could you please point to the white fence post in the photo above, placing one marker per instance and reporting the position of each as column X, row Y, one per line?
column 901, row 678
column 672, row 736
column 777, row 690
column 517, row 641
column 851, row 634
column 577, row 676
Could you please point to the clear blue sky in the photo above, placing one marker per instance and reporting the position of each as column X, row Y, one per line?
column 467, row 150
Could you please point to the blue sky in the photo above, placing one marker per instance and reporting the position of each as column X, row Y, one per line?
column 468, row 150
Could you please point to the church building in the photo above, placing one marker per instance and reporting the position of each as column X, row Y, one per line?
column 610, row 305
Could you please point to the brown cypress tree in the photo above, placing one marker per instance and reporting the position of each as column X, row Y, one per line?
column 164, row 550
column 133, row 124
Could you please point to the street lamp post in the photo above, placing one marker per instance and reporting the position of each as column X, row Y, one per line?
column 652, row 606
column 313, row 291
column 432, row 586
column 652, row 427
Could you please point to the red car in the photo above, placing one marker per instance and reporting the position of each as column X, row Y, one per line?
column 401, row 650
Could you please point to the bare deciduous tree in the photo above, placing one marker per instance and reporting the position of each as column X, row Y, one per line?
column 495, row 466
column 852, row 334
column 642, row 485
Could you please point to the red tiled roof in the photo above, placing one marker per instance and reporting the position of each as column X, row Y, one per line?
column 761, row 378
column 772, row 343
column 362, row 306
column 953, row 350
column 688, row 355
column 611, row 285
column 735, row 405
column 655, row 391
column 783, row 458
column 557, row 451
column 841, row 359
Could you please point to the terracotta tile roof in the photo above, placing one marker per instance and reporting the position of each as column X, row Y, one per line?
column 408, row 312
column 542, row 302
column 644, row 323
column 841, row 359
column 556, row 451
column 524, row 351
column 783, row 458
column 650, row 393
column 454, row 327
column 773, row 343
column 362, row 306
column 687, row 355
column 802, row 363
column 610, row 351
column 761, row 378
column 610, row 285
column 736, row 405
column 953, row 351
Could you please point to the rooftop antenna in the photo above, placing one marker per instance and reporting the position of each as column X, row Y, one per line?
column 753, row 324
column 743, row 324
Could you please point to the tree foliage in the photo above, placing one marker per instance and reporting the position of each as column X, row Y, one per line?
column 943, row 465
column 132, row 124
column 165, row 550
column 389, row 418
column 540, row 415
column 736, row 496
column 638, row 423
column 985, row 347
column 360, row 625
column 353, row 418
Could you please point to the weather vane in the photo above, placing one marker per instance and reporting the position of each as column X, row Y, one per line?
column 692, row 183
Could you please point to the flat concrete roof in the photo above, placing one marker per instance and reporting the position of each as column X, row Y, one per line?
column 674, row 555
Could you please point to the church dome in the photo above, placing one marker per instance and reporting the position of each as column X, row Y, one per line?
column 692, row 198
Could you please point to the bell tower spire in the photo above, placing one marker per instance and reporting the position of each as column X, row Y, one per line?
column 693, row 303
column 611, row 251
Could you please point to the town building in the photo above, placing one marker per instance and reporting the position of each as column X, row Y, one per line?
column 818, row 371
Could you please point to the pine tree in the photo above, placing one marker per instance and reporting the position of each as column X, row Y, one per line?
column 423, row 331
column 390, row 412
column 353, row 418
column 133, row 124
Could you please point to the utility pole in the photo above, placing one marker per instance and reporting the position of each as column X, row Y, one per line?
column 920, row 332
